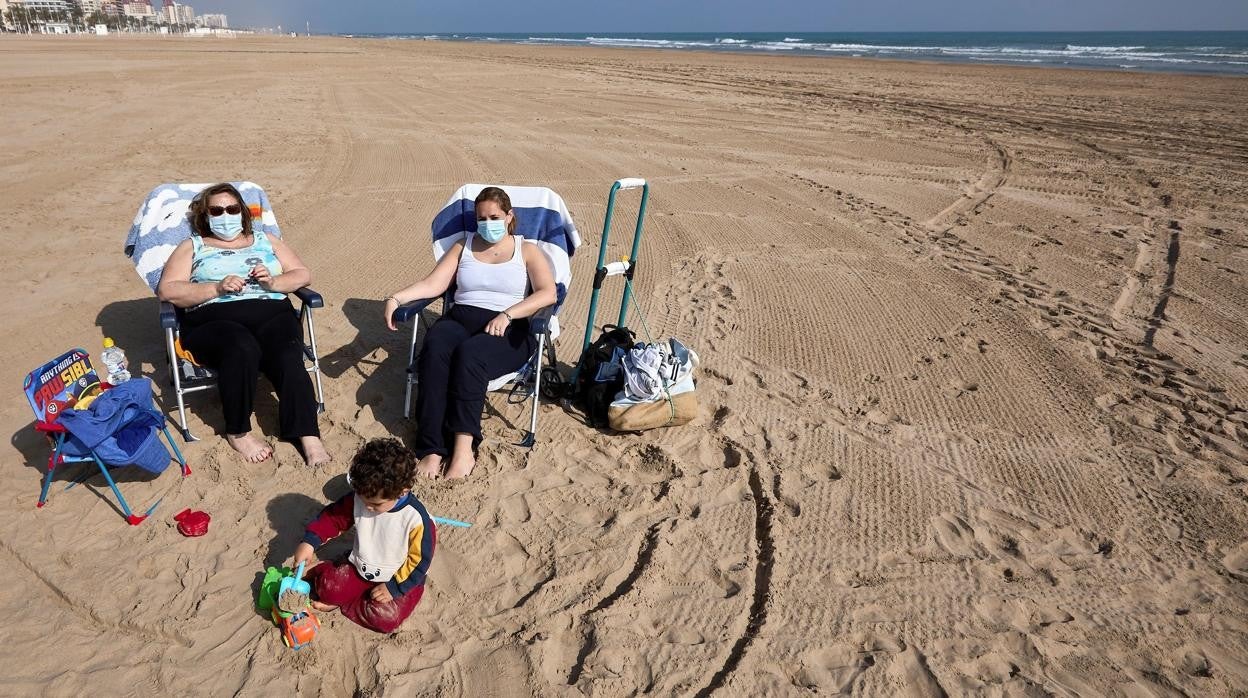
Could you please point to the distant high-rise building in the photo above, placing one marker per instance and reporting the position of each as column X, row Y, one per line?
column 141, row 8
column 214, row 21
column 90, row 7
column 44, row 6
column 177, row 13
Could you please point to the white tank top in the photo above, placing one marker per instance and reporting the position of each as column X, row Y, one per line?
column 491, row 286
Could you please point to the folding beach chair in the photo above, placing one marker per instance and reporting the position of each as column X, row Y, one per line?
column 159, row 226
column 543, row 219
column 69, row 382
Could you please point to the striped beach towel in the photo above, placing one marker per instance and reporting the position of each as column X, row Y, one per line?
column 541, row 217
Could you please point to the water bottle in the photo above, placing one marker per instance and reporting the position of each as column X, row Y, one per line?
column 115, row 361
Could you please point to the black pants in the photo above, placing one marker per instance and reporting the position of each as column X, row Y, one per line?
column 240, row 340
column 456, row 364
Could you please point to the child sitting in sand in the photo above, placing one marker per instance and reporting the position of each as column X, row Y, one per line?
column 383, row 578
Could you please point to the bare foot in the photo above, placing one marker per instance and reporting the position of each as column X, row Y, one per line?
column 314, row 451
column 252, row 449
column 430, row 466
column 322, row 607
column 462, row 464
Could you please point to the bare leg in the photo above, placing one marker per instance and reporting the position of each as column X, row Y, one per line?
column 462, row 460
column 252, row 449
column 322, row 607
column 430, row 466
column 314, row 451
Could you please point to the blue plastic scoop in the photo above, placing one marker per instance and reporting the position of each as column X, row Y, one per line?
column 296, row 586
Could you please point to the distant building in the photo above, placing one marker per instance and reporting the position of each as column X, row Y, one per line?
column 91, row 6
column 214, row 21
column 44, row 16
column 177, row 13
column 44, row 7
column 142, row 9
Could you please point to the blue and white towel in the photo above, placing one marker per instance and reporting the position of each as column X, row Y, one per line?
column 161, row 224
column 541, row 217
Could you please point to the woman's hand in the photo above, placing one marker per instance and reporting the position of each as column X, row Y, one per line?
column 261, row 275
column 498, row 325
column 387, row 311
column 381, row 594
column 230, row 284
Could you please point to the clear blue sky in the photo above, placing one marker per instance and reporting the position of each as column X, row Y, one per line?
column 731, row 15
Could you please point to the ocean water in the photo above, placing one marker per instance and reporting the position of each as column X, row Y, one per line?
column 1218, row 52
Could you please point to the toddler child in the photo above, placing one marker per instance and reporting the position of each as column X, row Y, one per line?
column 382, row 580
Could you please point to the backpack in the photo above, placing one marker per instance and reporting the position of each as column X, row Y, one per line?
column 600, row 373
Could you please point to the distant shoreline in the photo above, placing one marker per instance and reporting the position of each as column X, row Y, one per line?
column 1188, row 52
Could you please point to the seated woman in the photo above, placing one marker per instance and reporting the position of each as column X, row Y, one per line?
column 233, row 280
column 499, row 283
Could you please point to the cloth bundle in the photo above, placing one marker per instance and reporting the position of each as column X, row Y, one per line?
column 120, row 426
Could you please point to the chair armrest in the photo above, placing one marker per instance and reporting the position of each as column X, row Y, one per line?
column 539, row 325
column 407, row 311
column 168, row 316
column 310, row 298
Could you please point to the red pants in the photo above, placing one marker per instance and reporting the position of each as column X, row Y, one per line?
column 339, row 584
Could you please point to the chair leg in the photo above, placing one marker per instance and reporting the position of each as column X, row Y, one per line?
column 531, row 438
column 125, row 507
column 177, row 386
column 52, row 462
column 306, row 312
column 411, row 369
column 186, row 469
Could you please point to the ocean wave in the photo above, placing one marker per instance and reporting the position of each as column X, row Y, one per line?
column 1201, row 58
column 1104, row 49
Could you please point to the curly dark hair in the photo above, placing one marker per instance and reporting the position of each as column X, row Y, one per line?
column 198, row 212
column 383, row 468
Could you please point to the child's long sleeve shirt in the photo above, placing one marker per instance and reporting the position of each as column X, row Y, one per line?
column 394, row 547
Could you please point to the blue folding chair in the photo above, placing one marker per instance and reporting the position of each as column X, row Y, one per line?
column 159, row 226
column 543, row 219
column 68, row 382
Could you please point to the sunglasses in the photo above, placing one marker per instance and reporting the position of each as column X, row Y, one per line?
column 232, row 209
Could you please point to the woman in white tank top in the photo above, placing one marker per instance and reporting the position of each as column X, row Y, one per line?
column 499, row 283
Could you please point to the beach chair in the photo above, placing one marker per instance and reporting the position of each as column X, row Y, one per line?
column 543, row 219
column 69, row 382
column 159, row 226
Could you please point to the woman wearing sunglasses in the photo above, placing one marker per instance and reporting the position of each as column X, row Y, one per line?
column 232, row 279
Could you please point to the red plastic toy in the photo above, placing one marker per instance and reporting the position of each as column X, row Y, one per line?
column 192, row 523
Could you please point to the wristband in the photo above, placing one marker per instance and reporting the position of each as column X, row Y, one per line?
column 508, row 316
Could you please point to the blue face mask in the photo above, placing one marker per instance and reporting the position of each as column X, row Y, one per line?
column 492, row 231
column 225, row 226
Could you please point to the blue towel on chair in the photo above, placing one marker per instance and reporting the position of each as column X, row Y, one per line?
column 120, row 426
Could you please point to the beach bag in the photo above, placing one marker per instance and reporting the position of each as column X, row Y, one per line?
column 627, row 414
column 600, row 373
column 658, row 390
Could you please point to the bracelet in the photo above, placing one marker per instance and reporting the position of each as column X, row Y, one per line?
column 508, row 316
column 392, row 298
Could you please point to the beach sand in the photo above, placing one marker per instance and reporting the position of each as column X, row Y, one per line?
column 975, row 366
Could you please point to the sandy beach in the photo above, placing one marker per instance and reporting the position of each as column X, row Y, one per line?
column 974, row 374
